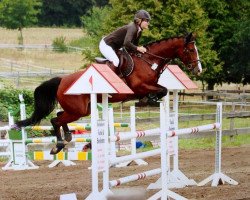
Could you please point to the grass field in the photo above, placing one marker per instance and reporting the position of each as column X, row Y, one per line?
column 15, row 60
column 40, row 35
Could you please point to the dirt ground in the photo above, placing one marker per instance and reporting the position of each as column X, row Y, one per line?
column 49, row 183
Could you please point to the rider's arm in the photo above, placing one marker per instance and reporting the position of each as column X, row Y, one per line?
column 130, row 38
column 131, row 35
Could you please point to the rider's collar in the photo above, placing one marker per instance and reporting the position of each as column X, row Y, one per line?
column 139, row 29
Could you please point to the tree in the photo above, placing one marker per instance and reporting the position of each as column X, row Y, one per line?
column 93, row 23
column 18, row 14
column 235, row 48
column 101, row 3
column 64, row 13
column 229, row 27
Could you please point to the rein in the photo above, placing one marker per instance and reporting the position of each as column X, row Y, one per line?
column 165, row 60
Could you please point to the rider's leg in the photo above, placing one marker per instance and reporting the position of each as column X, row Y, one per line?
column 109, row 53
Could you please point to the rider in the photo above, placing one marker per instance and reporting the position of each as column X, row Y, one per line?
column 126, row 36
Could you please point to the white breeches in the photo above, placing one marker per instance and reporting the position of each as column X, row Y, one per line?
column 108, row 53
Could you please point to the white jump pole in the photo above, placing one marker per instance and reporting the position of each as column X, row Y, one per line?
column 218, row 177
column 28, row 164
column 99, row 141
column 105, row 116
column 95, row 194
column 111, row 132
column 165, row 193
column 176, row 172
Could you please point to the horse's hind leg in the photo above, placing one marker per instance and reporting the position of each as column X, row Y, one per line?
column 62, row 120
column 67, row 133
column 60, row 144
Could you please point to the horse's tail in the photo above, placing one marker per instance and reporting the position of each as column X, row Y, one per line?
column 44, row 102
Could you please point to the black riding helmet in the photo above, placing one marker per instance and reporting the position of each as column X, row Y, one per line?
column 142, row 14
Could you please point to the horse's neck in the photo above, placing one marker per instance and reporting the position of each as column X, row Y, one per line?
column 167, row 48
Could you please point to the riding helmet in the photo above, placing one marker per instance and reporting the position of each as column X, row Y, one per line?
column 142, row 14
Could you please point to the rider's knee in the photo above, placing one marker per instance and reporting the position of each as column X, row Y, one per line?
column 116, row 62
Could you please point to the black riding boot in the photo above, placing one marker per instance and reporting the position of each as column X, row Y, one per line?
column 114, row 69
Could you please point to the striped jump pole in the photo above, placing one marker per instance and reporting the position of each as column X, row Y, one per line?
column 86, row 127
column 193, row 130
column 53, row 140
column 134, row 177
column 72, row 126
column 129, row 135
column 125, row 136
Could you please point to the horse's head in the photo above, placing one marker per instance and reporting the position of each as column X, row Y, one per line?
column 190, row 56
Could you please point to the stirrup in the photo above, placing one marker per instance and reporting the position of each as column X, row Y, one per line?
column 101, row 60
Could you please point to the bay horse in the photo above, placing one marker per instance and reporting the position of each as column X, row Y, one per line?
column 142, row 80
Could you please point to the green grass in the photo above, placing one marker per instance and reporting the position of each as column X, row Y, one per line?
column 3, row 159
column 203, row 143
column 209, row 142
column 238, row 123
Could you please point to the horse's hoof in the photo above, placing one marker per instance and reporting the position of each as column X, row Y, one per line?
column 68, row 137
column 54, row 151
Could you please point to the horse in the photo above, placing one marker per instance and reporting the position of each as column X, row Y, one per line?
column 142, row 80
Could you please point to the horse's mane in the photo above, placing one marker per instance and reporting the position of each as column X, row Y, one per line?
column 163, row 39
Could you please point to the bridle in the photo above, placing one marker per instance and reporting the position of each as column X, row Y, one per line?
column 160, row 69
column 189, row 65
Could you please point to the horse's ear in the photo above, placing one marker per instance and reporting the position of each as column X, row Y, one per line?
column 190, row 37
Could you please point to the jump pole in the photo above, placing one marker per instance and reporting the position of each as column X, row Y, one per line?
column 176, row 173
column 164, row 193
column 95, row 194
column 218, row 177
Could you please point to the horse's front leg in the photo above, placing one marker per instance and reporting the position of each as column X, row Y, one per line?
column 162, row 92
column 155, row 93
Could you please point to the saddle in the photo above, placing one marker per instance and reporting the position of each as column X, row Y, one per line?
column 126, row 64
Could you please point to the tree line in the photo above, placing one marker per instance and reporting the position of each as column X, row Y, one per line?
column 222, row 27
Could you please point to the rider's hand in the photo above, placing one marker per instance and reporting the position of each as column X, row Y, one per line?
column 141, row 49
